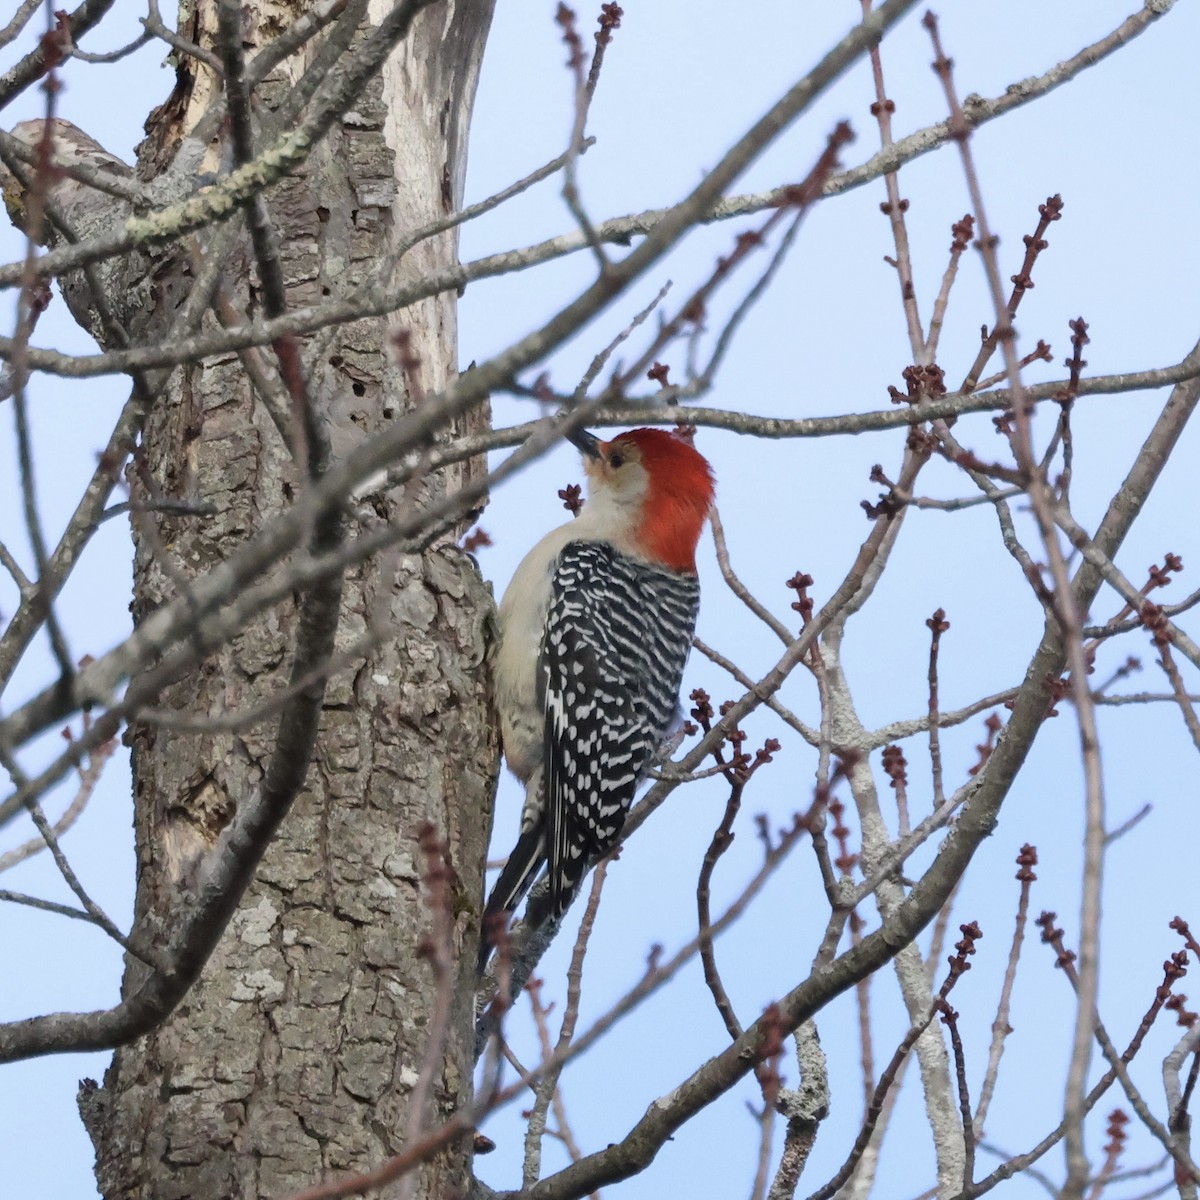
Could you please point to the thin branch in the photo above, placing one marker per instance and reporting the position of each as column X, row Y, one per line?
column 799, row 197
column 898, row 730
column 962, row 232
column 114, row 56
column 31, row 304
column 950, row 1020
column 937, row 626
column 61, row 910
column 156, row 27
column 20, row 19
column 10, row 564
column 584, row 89
column 738, row 588
column 1173, row 969
column 546, row 1089
column 94, row 911
column 1110, row 628
column 438, row 950
column 1026, row 861
column 773, row 702
column 742, row 309
column 722, row 839
column 894, row 209
column 442, row 224
column 89, row 776
column 1162, row 641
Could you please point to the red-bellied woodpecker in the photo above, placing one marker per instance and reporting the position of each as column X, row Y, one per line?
column 595, row 629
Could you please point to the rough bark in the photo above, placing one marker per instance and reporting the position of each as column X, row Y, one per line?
column 294, row 1054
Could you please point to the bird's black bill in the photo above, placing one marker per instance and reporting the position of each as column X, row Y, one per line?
column 584, row 442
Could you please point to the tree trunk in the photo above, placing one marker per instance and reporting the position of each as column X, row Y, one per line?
column 293, row 1056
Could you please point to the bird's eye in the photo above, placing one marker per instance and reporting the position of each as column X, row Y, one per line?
column 616, row 460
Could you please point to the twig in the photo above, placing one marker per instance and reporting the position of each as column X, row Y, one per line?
column 94, row 911
column 773, row 702
column 422, row 233
column 1156, row 622
column 1040, row 354
column 1125, row 826
column 20, row 19
column 950, row 1020
column 62, row 910
column 800, row 197
column 600, row 361
column 114, row 56
column 1026, row 861
column 10, row 564
column 584, row 89
column 962, row 232
column 155, row 26
column 724, row 340
column 89, row 776
column 721, row 840
column 738, row 588
column 546, row 1089
column 1112, row 628
column 32, row 303
column 739, row 772
column 928, row 502
column 894, row 209
column 862, row 997
column 1022, row 281
column 836, row 887
column 1049, row 1186
column 937, row 626
column 1173, row 969
column 898, row 730
column 436, row 949
column 1117, row 1120
column 770, row 1054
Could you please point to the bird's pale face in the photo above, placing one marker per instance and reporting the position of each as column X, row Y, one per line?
column 619, row 473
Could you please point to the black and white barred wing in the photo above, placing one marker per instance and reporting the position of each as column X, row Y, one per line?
column 612, row 661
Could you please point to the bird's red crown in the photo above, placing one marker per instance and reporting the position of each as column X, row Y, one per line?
column 678, row 501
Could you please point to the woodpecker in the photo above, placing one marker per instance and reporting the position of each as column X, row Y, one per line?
column 595, row 629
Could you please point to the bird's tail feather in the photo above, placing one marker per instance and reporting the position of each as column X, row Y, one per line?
column 524, row 863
